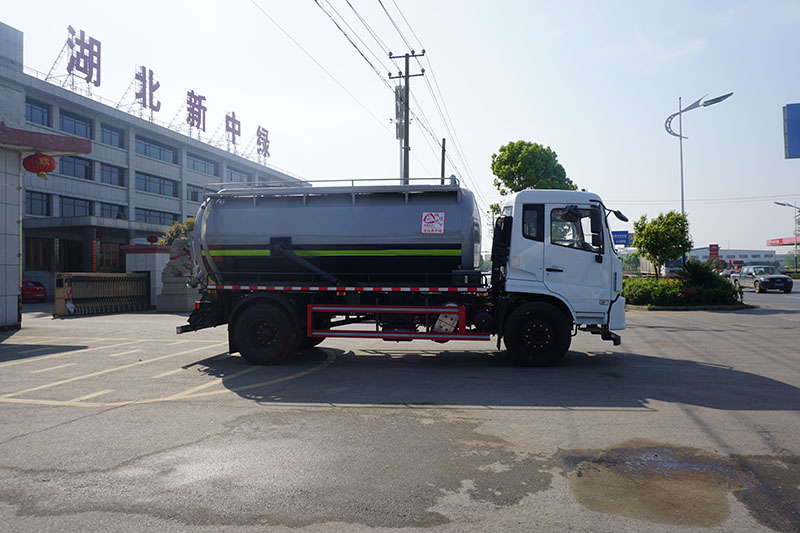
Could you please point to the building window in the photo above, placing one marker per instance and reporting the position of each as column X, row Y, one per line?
column 112, row 175
column 201, row 164
column 111, row 136
column 755, row 256
column 236, row 175
column 37, row 112
column 744, row 256
column 156, row 150
column 75, row 207
column 76, row 167
column 112, row 211
column 194, row 193
column 37, row 203
column 76, row 125
column 156, row 185
column 155, row 217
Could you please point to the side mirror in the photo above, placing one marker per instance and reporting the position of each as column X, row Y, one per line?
column 620, row 216
column 597, row 240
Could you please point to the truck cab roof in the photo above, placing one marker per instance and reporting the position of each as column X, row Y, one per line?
column 542, row 196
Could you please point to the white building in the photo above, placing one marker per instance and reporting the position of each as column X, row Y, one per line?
column 138, row 178
column 750, row 257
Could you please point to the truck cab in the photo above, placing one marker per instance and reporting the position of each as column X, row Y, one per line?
column 560, row 254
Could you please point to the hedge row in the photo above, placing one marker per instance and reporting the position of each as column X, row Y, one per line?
column 673, row 292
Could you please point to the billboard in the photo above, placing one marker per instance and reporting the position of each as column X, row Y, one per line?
column 791, row 131
column 622, row 238
column 713, row 251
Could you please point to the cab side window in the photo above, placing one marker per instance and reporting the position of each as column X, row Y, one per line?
column 577, row 228
column 533, row 222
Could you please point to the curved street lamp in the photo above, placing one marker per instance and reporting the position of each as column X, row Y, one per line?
column 679, row 135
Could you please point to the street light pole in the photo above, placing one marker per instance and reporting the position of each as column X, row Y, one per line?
column 668, row 126
column 796, row 216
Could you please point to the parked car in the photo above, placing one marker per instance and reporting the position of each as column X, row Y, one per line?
column 33, row 291
column 726, row 273
column 762, row 278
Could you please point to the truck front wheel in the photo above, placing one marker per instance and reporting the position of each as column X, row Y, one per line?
column 537, row 334
column 264, row 335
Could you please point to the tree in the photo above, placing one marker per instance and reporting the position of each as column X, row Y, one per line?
column 719, row 264
column 177, row 229
column 630, row 263
column 524, row 165
column 665, row 238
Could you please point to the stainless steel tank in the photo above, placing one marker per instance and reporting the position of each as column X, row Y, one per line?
column 355, row 234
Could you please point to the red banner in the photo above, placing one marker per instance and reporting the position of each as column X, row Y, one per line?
column 713, row 251
column 784, row 241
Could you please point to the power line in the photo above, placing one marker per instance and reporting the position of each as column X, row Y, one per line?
column 331, row 76
column 408, row 45
column 734, row 199
column 378, row 40
column 347, row 36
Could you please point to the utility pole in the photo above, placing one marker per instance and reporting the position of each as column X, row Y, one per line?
column 406, row 76
column 443, row 152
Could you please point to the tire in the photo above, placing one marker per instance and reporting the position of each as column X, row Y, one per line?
column 537, row 334
column 264, row 335
column 787, row 290
column 758, row 288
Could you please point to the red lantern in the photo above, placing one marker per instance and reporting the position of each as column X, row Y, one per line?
column 39, row 164
column 152, row 239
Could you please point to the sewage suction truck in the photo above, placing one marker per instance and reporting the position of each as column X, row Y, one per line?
column 287, row 267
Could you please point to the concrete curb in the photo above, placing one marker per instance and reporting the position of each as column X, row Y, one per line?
column 742, row 307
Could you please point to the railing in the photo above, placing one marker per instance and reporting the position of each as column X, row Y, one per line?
column 82, row 293
column 254, row 187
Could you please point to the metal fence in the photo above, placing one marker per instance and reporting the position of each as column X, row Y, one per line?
column 83, row 293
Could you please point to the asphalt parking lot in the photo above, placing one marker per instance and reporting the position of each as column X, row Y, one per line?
column 113, row 422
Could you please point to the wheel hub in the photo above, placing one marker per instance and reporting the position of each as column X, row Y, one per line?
column 263, row 334
column 537, row 335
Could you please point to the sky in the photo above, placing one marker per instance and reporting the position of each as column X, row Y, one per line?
column 594, row 81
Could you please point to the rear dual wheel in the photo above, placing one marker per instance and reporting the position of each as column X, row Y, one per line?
column 537, row 334
column 264, row 335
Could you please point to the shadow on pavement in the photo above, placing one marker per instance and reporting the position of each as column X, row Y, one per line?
column 13, row 352
column 455, row 378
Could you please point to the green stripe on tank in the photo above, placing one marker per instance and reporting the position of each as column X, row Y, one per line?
column 237, row 253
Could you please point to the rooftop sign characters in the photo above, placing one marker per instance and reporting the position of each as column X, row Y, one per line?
column 84, row 58
column 145, row 94
column 195, row 111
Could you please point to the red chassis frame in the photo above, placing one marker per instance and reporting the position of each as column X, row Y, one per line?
column 460, row 334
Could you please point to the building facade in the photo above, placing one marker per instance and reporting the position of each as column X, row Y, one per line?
column 138, row 178
column 750, row 257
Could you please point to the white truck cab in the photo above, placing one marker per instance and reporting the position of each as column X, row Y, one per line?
column 561, row 247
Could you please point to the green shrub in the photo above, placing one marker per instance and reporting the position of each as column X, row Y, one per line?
column 696, row 285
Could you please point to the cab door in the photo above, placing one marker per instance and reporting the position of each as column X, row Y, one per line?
column 576, row 264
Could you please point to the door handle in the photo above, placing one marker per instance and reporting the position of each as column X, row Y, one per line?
column 554, row 269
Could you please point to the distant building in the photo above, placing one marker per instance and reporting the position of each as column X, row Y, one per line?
column 750, row 257
column 138, row 178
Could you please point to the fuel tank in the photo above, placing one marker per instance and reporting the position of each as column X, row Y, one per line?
column 364, row 234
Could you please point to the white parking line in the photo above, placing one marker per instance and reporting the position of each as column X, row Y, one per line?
column 124, row 353
column 107, row 371
column 165, row 374
column 52, row 368
column 92, row 395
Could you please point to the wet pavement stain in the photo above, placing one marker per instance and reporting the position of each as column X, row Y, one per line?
column 297, row 469
column 667, row 484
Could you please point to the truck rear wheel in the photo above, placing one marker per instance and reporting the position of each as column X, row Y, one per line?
column 264, row 335
column 537, row 334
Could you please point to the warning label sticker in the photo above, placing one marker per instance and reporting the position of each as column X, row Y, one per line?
column 433, row 222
